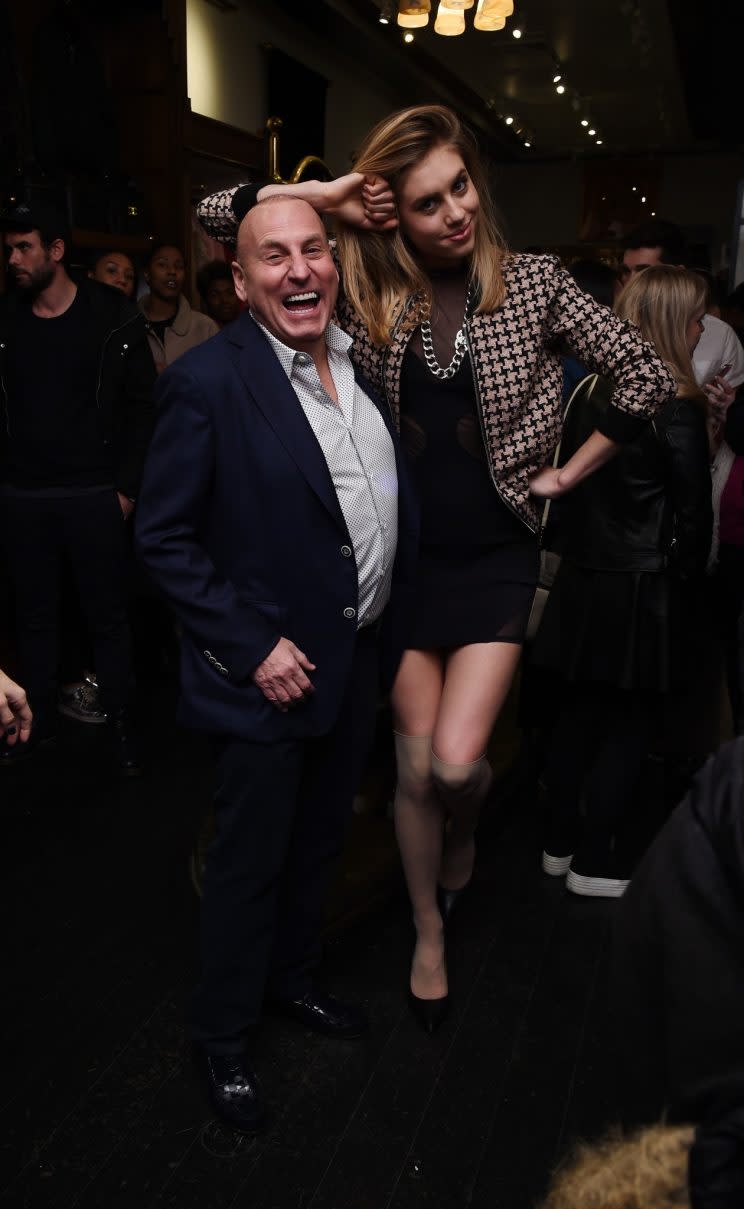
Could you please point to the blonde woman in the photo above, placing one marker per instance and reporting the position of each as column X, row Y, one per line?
column 459, row 336
column 626, row 599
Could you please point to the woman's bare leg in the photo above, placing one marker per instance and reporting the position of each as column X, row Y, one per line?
column 476, row 683
column 419, row 814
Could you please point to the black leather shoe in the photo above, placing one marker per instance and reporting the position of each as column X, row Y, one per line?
column 323, row 1013
column 447, row 900
column 19, row 753
column 233, row 1090
column 429, row 1013
column 127, row 754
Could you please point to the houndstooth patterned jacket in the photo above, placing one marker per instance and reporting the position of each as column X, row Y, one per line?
column 516, row 365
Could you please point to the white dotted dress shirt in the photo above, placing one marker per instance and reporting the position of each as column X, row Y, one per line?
column 360, row 456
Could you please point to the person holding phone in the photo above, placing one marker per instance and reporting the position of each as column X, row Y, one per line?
column 727, row 550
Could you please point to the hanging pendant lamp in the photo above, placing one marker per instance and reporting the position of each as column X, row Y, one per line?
column 450, row 21
column 413, row 14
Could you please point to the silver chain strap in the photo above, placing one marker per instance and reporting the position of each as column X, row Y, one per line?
column 461, row 347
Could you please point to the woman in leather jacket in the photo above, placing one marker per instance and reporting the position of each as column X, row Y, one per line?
column 460, row 337
column 635, row 539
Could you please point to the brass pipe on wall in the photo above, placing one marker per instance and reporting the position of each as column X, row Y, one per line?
column 273, row 127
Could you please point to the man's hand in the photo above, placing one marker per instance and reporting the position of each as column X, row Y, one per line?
column 126, row 505
column 15, row 711
column 281, row 677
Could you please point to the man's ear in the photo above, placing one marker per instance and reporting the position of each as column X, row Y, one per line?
column 57, row 250
column 239, row 281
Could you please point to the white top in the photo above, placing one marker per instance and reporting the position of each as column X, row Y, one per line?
column 360, row 456
column 718, row 344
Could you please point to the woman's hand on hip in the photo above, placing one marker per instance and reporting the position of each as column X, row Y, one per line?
column 546, row 484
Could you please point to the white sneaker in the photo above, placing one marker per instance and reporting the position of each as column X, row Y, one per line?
column 596, row 887
column 556, row 866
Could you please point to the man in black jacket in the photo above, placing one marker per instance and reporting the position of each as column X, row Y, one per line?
column 76, row 379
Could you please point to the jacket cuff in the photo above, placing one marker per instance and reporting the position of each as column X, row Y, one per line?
column 244, row 199
column 619, row 426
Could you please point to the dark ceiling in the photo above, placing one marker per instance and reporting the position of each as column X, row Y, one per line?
column 648, row 75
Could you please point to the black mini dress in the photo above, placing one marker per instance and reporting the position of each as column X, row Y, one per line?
column 478, row 561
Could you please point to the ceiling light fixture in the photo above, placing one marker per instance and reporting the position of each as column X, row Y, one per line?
column 509, row 121
column 557, row 78
column 491, row 14
column 517, row 32
column 584, row 122
column 408, row 36
column 592, row 131
column 450, row 22
column 527, row 144
column 560, row 89
column 599, row 142
column 488, row 24
column 643, row 200
column 413, row 14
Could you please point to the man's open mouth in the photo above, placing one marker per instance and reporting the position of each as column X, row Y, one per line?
column 302, row 304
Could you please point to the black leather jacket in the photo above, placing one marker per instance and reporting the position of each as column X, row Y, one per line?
column 126, row 380
column 648, row 508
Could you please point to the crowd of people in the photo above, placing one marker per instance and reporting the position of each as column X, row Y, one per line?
column 360, row 454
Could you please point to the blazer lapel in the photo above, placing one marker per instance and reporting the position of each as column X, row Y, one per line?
column 269, row 386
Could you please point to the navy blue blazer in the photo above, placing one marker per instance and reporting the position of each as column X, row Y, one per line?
column 240, row 528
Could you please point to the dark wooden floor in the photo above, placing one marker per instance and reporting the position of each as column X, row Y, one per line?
column 100, row 1110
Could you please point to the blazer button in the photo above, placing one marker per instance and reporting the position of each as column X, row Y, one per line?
column 346, row 551
column 349, row 612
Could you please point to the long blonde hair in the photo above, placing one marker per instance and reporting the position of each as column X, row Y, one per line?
column 380, row 271
column 662, row 300
column 645, row 1171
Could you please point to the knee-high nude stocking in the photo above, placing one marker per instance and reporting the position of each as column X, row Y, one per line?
column 419, row 824
column 461, row 788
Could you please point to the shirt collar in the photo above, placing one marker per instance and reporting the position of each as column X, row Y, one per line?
column 337, row 341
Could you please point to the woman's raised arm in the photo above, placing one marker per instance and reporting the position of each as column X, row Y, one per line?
column 359, row 201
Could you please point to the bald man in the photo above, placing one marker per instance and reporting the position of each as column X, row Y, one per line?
column 275, row 518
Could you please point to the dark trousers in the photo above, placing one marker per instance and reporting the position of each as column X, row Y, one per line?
column 87, row 532
column 281, row 811
column 596, row 754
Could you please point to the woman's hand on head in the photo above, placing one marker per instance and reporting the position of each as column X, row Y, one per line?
column 361, row 201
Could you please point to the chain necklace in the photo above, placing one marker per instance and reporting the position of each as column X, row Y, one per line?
column 461, row 346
